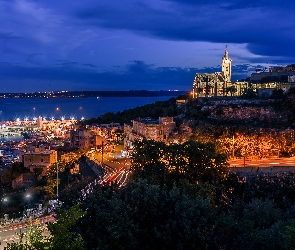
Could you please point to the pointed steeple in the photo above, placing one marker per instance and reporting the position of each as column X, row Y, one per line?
column 226, row 65
column 226, row 53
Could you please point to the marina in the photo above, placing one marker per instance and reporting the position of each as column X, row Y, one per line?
column 24, row 110
column 14, row 130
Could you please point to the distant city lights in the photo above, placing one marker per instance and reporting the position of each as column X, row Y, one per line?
column 27, row 119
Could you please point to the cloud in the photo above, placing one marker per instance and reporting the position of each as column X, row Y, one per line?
column 138, row 44
column 137, row 75
column 139, row 67
column 261, row 24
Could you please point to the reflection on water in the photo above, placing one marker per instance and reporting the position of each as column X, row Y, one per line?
column 56, row 108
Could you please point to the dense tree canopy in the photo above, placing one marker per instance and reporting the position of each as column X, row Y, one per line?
column 191, row 160
column 154, row 110
column 185, row 216
column 61, row 236
column 180, row 197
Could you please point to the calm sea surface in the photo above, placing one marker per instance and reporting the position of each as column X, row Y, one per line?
column 28, row 108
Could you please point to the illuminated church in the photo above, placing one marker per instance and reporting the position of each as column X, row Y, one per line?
column 218, row 83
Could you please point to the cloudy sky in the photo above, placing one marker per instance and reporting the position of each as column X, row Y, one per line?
column 137, row 44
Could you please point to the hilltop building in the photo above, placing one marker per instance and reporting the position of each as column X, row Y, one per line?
column 276, row 78
column 158, row 130
column 275, row 74
column 218, row 83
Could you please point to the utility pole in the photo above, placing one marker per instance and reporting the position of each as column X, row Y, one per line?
column 57, row 181
column 233, row 146
column 102, row 152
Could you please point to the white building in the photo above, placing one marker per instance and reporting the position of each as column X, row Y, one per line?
column 218, row 83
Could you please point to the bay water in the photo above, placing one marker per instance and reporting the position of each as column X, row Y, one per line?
column 68, row 108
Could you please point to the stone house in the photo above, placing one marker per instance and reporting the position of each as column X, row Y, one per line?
column 158, row 130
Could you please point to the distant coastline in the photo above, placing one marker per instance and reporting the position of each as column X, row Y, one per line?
column 67, row 108
column 83, row 94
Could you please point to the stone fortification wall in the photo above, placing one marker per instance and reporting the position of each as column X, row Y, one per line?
column 262, row 170
column 243, row 113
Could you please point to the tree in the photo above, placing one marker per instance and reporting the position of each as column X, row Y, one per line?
column 72, row 193
column 61, row 231
column 149, row 216
column 194, row 161
column 277, row 94
column 249, row 93
column 147, row 161
column 204, row 162
column 231, row 90
column 33, row 239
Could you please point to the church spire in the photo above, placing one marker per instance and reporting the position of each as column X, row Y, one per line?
column 226, row 53
column 226, row 65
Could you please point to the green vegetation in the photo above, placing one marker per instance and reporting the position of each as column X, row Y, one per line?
column 181, row 196
column 162, row 164
column 155, row 110
column 159, row 210
column 60, row 233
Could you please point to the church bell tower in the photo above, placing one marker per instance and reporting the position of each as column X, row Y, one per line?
column 226, row 66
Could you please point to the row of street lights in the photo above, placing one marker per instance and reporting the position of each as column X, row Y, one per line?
column 5, row 201
column 28, row 196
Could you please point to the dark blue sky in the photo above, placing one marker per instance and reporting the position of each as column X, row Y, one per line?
column 137, row 44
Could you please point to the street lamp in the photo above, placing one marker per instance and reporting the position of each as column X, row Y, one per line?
column 57, row 181
column 102, row 153
column 233, row 146
column 28, row 197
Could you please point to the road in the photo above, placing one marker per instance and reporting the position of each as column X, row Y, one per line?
column 117, row 166
column 270, row 162
column 9, row 234
column 116, row 169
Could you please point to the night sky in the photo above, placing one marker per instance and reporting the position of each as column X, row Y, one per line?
column 51, row 45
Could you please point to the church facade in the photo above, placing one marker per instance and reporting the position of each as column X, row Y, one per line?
column 218, row 83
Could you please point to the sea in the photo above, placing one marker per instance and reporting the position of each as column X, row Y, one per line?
column 12, row 109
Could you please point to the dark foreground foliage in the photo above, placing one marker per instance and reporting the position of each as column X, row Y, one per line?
column 173, row 202
column 177, row 199
column 185, row 216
